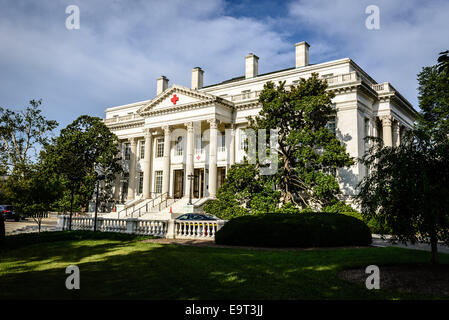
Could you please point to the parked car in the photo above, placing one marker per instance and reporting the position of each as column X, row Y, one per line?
column 195, row 216
column 8, row 212
column 193, row 227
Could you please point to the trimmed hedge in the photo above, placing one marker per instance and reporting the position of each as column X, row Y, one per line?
column 295, row 230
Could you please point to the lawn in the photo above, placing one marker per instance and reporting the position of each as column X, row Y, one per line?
column 121, row 266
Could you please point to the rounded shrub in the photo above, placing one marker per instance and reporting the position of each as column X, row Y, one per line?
column 295, row 230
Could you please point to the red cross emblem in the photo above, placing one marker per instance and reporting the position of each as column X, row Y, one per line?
column 198, row 157
column 174, row 99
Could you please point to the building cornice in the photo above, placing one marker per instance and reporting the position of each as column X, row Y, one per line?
column 126, row 125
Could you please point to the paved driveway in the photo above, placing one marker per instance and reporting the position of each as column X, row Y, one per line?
column 29, row 225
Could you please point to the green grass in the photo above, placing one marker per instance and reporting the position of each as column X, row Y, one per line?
column 121, row 266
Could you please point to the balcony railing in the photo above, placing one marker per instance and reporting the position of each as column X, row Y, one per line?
column 332, row 81
column 124, row 118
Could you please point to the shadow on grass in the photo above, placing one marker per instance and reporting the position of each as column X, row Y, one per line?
column 132, row 269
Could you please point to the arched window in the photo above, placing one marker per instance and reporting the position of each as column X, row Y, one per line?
column 179, row 146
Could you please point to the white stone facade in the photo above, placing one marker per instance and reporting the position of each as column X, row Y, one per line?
column 178, row 132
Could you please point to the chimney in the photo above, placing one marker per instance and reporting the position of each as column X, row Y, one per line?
column 251, row 66
column 162, row 84
column 197, row 78
column 302, row 54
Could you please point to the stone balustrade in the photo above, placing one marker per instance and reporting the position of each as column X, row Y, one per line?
column 171, row 228
column 124, row 118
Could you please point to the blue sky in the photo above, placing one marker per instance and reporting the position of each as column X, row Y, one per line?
column 122, row 47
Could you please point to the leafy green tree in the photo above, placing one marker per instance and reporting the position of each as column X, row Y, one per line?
column 308, row 152
column 407, row 188
column 20, row 133
column 35, row 192
column 433, row 98
column 244, row 192
column 85, row 149
column 308, row 155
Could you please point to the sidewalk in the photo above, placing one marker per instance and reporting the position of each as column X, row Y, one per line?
column 378, row 242
column 29, row 225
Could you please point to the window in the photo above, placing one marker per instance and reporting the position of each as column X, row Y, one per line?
column 199, row 144
column 179, row 146
column 159, row 148
column 158, row 182
column 127, row 151
column 367, row 127
column 243, row 140
column 140, row 190
column 221, row 142
column 142, row 150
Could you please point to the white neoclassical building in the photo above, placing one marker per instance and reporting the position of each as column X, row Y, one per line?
column 181, row 131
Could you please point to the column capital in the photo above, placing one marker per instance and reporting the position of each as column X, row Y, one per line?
column 147, row 133
column 386, row 120
column 213, row 123
column 166, row 129
column 133, row 141
column 189, row 125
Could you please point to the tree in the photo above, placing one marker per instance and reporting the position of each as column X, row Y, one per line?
column 408, row 185
column 85, row 149
column 434, row 99
column 244, row 192
column 21, row 132
column 309, row 153
column 407, row 189
column 35, row 192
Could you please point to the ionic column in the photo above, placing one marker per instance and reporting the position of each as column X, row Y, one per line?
column 232, row 146
column 132, row 169
column 386, row 130
column 147, row 165
column 396, row 134
column 189, row 156
column 117, row 178
column 166, row 167
column 213, row 158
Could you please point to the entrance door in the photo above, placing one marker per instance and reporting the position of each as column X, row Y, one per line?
column 198, row 184
column 178, row 191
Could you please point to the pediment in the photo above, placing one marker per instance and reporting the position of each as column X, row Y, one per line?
column 178, row 96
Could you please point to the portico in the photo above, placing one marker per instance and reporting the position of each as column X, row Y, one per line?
column 163, row 156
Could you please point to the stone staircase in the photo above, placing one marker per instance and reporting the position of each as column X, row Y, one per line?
column 149, row 209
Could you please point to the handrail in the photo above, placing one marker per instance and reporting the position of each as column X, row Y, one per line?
column 145, row 205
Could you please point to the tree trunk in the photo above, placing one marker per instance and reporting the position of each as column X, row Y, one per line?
column 434, row 247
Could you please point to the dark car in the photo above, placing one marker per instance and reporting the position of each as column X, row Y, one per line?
column 189, row 226
column 195, row 216
column 8, row 212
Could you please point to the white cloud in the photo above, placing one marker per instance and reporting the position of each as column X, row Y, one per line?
column 411, row 35
column 120, row 50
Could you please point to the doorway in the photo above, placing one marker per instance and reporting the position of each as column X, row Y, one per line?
column 198, row 183
column 178, row 185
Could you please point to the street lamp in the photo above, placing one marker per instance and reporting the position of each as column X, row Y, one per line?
column 190, row 177
column 100, row 177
